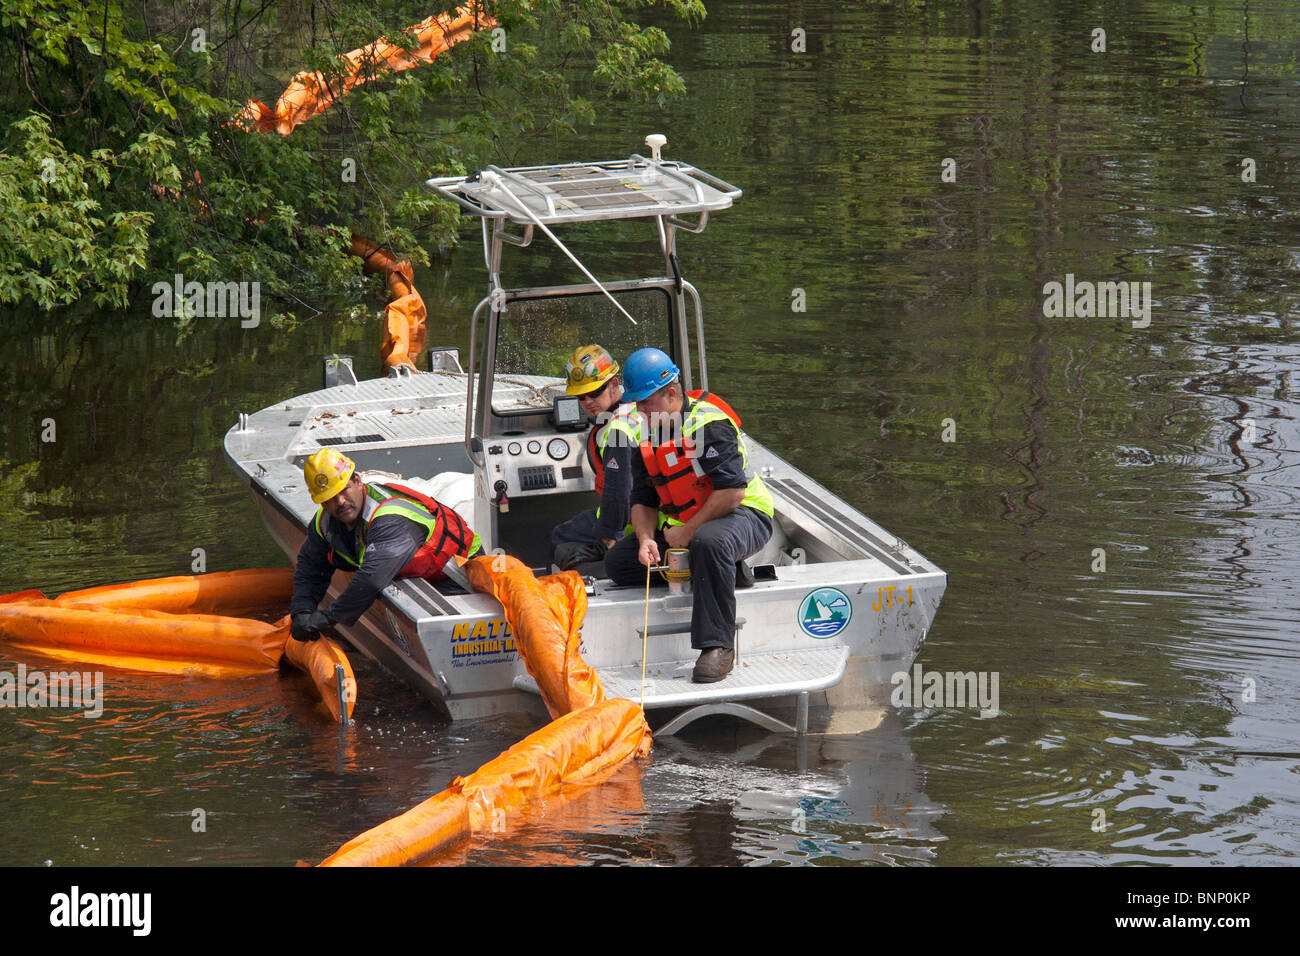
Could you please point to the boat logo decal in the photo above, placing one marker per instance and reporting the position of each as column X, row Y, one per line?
column 482, row 642
column 825, row 612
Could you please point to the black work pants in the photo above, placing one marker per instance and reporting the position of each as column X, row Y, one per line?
column 580, row 529
column 715, row 549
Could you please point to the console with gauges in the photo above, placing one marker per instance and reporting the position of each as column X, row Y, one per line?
column 535, row 464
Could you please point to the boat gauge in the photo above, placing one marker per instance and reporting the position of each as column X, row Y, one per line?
column 534, row 447
column 558, row 449
column 514, row 448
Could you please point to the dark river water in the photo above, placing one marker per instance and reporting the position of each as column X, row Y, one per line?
column 1113, row 510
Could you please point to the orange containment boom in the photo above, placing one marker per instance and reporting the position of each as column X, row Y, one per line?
column 180, row 667
column 163, row 625
column 576, row 748
column 159, row 626
column 404, row 316
column 545, row 615
column 313, row 93
column 318, row 659
column 235, row 593
column 588, row 737
column 139, row 633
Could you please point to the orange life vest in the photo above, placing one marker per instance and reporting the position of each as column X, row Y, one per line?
column 619, row 423
column 593, row 456
column 714, row 399
column 673, row 468
column 448, row 534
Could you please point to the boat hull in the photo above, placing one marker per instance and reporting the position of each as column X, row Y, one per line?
column 840, row 606
column 458, row 651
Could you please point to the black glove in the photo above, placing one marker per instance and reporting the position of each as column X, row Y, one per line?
column 307, row 625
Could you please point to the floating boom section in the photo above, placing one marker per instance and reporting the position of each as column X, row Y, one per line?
column 573, row 749
column 589, row 737
column 132, row 627
column 545, row 616
column 160, row 626
column 425, row 829
column 178, row 667
column 233, row 593
column 318, row 659
column 138, row 633
column 570, row 749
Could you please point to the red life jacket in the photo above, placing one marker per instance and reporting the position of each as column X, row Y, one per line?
column 449, row 536
column 593, row 456
column 681, row 484
column 593, row 453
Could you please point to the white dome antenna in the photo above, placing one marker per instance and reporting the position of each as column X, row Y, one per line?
column 656, row 142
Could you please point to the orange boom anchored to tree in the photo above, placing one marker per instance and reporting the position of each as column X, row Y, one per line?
column 310, row 94
column 313, row 93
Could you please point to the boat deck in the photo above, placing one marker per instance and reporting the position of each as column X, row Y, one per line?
column 755, row 677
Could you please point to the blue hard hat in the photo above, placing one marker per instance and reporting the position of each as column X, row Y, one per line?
column 645, row 372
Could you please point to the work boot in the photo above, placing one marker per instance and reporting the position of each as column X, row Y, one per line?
column 744, row 575
column 713, row 665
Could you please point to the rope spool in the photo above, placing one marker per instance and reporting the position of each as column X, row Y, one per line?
column 676, row 568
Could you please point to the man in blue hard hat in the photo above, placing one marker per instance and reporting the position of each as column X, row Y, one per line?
column 691, row 488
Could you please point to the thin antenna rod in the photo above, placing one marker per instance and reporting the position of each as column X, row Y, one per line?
column 493, row 181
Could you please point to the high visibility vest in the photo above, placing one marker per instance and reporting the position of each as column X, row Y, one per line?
column 624, row 421
column 448, row 534
column 674, row 466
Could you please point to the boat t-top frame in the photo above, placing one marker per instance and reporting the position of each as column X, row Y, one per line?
column 538, row 197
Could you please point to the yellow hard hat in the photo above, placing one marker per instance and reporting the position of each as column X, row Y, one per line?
column 327, row 473
column 588, row 368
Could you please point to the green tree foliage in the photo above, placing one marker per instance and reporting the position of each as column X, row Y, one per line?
column 120, row 166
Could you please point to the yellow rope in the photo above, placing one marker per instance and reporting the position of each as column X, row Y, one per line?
column 645, row 633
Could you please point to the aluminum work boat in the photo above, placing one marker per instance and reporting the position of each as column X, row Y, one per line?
column 838, row 604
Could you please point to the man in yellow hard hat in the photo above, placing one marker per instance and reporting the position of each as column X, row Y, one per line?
column 380, row 532
column 593, row 376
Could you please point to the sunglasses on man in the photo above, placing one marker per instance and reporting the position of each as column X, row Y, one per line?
column 598, row 392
